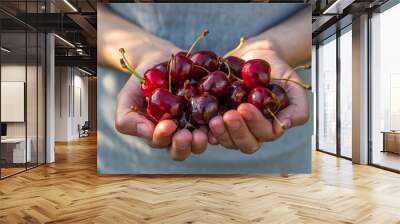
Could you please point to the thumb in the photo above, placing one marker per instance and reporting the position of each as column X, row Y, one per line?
column 293, row 116
column 132, row 123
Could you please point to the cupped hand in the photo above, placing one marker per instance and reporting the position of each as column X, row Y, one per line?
column 246, row 128
column 181, row 143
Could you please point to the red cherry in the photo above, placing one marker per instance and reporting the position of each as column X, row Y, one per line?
column 203, row 61
column 202, row 108
column 222, row 110
column 153, row 79
column 281, row 94
column 256, row 72
column 235, row 64
column 179, row 67
column 187, row 90
column 163, row 67
column 182, row 53
column 215, row 83
column 183, row 120
column 237, row 93
column 164, row 105
column 264, row 100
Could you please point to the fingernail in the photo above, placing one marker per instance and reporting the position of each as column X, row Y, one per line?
column 144, row 131
column 234, row 125
column 286, row 124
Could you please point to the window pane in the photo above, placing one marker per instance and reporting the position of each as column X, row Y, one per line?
column 327, row 96
column 385, row 89
column 345, row 94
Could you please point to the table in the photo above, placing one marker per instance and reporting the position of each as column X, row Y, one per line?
column 16, row 146
column 391, row 141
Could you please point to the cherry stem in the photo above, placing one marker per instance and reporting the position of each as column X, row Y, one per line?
column 229, row 68
column 201, row 67
column 231, row 52
column 189, row 122
column 276, row 119
column 275, row 99
column 305, row 66
column 125, row 64
column 230, row 73
column 202, row 34
column 304, row 85
column 169, row 73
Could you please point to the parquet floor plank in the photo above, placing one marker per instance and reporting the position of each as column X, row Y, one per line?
column 70, row 191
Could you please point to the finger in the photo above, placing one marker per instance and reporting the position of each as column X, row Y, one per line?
column 131, row 123
column 199, row 142
column 163, row 133
column 297, row 111
column 220, row 132
column 211, row 139
column 126, row 120
column 258, row 125
column 130, row 95
column 293, row 116
column 181, row 145
column 239, row 132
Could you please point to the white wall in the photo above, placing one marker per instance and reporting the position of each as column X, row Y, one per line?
column 71, row 93
column 16, row 73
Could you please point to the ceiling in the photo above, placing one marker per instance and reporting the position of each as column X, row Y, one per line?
column 332, row 15
column 72, row 20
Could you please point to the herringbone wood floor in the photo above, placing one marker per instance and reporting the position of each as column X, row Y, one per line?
column 70, row 191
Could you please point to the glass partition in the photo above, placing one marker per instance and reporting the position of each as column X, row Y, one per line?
column 346, row 92
column 14, row 153
column 326, row 76
column 385, row 89
column 22, row 77
column 32, row 97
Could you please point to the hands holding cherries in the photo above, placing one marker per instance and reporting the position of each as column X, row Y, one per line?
column 239, row 101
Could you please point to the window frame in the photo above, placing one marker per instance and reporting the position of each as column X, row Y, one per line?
column 336, row 35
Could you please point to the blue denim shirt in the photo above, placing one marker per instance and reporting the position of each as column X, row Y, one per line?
column 181, row 23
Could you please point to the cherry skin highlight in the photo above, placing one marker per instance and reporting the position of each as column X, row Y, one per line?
column 237, row 93
column 203, row 62
column 203, row 108
column 187, row 90
column 154, row 79
column 263, row 99
column 235, row 64
column 281, row 94
column 256, row 72
column 164, row 105
column 215, row 83
column 163, row 67
column 179, row 67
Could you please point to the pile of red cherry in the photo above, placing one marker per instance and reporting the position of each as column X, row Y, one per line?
column 193, row 87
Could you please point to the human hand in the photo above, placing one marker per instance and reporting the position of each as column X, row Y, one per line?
column 180, row 143
column 246, row 128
